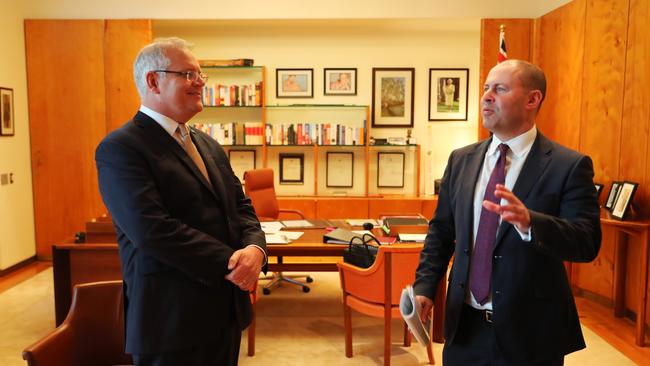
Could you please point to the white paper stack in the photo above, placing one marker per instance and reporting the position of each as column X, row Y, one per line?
column 408, row 307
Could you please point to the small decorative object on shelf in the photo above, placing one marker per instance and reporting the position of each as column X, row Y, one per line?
column 233, row 62
column 410, row 140
column 623, row 201
column 613, row 192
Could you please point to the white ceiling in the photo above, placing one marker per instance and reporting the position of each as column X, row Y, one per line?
column 287, row 9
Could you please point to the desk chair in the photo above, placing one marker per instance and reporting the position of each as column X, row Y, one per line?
column 259, row 186
column 394, row 268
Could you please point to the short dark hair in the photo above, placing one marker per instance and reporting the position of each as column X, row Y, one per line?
column 531, row 77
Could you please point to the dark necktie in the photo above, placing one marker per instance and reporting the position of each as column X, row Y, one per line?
column 486, row 235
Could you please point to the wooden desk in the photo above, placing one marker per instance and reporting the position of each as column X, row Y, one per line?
column 624, row 229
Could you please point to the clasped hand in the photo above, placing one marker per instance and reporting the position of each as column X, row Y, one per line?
column 513, row 211
column 245, row 266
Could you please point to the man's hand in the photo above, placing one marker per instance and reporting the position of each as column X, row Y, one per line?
column 245, row 266
column 426, row 304
column 513, row 211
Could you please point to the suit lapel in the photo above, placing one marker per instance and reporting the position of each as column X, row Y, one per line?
column 536, row 162
column 162, row 137
column 475, row 161
column 218, row 187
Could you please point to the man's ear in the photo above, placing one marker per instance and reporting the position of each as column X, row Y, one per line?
column 534, row 99
column 152, row 82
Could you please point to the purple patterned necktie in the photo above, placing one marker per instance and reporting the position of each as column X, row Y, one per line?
column 486, row 235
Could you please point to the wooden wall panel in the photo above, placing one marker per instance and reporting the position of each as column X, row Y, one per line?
column 65, row 82
column 392, row 206
column 558, row 50
column 342, row 208
column 634, row 163
column 305, row 205
column 518, row 46
column 123, row 39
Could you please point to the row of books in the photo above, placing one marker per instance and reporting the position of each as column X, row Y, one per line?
column 314, row 133
column 243, row 133
column 217, row 95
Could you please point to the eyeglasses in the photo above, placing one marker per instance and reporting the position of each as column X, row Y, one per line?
column 192, row 76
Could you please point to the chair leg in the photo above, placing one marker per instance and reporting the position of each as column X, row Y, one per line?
column 347, row 320
column 407, row 336
column 278, row 278
column 387, row 344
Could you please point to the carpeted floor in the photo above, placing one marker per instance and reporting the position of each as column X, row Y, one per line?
column 293, row 328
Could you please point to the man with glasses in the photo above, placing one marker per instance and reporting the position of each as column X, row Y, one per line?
column 190, row 244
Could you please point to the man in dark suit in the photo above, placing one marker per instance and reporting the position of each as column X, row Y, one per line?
column 511, row 209
column 190, row 244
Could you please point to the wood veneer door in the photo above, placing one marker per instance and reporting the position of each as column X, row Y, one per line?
column 65, row 80
column 123, row 39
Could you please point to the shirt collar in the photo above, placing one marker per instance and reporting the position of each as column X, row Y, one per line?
column 519, row 145
column 165, row 122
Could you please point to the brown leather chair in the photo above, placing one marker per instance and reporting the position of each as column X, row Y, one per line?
column 394, row 268
column 259, row 186
column 91, row 334
column 93, row 331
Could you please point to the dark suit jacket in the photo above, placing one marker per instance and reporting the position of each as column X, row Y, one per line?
column 534, row 311
column 175, row 236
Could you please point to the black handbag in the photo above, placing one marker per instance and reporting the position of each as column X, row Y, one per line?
column 359, row 253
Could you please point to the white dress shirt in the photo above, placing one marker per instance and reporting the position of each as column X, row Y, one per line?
column 519, row 147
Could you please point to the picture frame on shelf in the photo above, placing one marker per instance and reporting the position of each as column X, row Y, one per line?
column 340, row 169
column 292, row 168
column 390, row 169
column 624, row 199
column 611, row 197
column 241, row 161
column 341, row 81
column 392, row 97
column 7, row 123
column 294, row 83
column 448, row 90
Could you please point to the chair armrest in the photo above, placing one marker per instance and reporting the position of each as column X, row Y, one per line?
column 56, row 348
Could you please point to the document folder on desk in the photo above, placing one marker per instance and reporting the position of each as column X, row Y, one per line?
column 395, row 225
column 339, row 236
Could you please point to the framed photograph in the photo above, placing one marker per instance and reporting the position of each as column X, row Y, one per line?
column 6, row 112
column 611, row 197
column 340, row 169
column 448, row 94
column 599, row 189
column 340, row 82
column 241, row 161
column 624, row 199
column 294, row 83
column 292, row 168
column 392, row 97
column 390, row 169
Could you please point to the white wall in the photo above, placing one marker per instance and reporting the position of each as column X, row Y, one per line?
column 16, row 205
column 362, row 44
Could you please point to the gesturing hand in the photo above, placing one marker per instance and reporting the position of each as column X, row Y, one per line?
column 245, row 266
column 513, row 211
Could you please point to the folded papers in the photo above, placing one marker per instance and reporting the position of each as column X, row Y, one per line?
column 409, row 307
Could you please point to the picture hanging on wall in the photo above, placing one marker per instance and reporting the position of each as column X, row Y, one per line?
column 340, row 81
column 392, row 97
column 340, row 172
column 294, row 83
column 6, row 112
column 448, row 94
column 292, row 168
column 241, row 161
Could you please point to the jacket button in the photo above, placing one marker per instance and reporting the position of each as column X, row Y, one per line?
column 497, row 292
column 461, row 285
column 466, row 250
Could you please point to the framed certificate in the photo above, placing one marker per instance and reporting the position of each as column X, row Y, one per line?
column 292, row 168
column 623, row 199
column 340, row 172
column 241, row 161
column 390, row 169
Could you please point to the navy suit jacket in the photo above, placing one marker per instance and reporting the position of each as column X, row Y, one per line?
column 176, row 234
column 535, row 317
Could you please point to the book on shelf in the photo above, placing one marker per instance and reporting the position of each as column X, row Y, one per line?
column 232, row 133
column 306, row 133
column 218, row 95
column 231, row 62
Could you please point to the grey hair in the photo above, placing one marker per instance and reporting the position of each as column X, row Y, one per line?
column 153, row 57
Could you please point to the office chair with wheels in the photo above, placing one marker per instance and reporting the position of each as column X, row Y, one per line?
column 259, row 186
